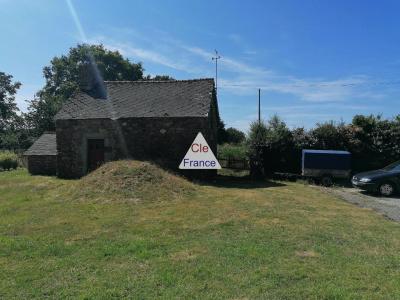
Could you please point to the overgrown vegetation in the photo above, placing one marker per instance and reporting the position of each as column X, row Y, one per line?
column 374, row 142
column 13, row 129
column 230, row 135
column 257, row 139
column 235, row 239
column 8, row 160
column 232, row 151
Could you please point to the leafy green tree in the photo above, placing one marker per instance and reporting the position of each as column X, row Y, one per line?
column 159, row 78
column 17, row 135
column 375, row 142
column 8, row 106
column 84, row 64
column 278, row 133
column 234, row 136
column 256, row 142
column 278, row 148
column 13, row 134
column 328, row 135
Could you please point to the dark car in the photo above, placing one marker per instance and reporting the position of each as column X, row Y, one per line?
column 386, row 181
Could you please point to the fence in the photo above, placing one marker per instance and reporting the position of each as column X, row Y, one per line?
column 236, row 164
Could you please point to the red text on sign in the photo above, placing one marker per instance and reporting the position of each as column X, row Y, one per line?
column 199, row 148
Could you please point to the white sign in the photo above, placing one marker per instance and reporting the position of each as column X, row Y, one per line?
column 199, row 156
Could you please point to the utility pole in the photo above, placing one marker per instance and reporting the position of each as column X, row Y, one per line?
column 259, row 106
column 216, row 57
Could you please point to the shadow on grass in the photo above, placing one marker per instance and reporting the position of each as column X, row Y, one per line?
column 244, row 182
column 343, row 183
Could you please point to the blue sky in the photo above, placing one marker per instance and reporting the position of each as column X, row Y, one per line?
column 313, row 60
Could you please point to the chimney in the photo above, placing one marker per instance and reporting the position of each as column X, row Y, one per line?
column 91, row 82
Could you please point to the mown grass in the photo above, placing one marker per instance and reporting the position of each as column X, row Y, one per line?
column 229, row 239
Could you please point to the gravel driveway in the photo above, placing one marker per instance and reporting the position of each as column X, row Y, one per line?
column 389, row 207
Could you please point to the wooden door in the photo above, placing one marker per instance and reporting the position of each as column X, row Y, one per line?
column 95, row 153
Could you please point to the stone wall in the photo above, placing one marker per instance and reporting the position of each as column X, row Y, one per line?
column 164, row 140
column 72, row 136
column 42, row 164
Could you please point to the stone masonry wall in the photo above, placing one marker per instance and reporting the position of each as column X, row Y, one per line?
column 42, row 164
column 167, row 139
column 164, row 140
column 72, row 136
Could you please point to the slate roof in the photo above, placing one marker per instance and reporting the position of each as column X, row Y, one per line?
column 125, row 99
column 45, row 145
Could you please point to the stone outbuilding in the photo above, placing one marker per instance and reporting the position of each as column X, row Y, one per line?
column 41, row 157
column 146, row 120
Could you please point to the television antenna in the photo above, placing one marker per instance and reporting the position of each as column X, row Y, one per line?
column 216, row 57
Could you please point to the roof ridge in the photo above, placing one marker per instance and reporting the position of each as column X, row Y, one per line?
column 158, row 81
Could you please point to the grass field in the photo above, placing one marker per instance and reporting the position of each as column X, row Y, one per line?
column 144, row 234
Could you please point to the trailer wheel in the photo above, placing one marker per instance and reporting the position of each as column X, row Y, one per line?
column 326, row 180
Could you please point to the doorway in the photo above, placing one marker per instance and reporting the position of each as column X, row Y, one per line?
column 95, row 153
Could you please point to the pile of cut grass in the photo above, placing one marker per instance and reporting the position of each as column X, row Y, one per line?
column 131, row 180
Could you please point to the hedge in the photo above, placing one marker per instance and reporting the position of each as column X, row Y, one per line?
column 8, row 160
column 373, row 142
column 232, row 151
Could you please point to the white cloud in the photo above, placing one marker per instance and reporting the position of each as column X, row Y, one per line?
column 236, row 76
column 130, row 50
column 231, row 64
column 311, row 90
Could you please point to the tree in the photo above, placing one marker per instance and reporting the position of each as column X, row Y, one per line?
column 278, row 146
column 234, row 136
column 329, row 136
column 8, row 107
column 159, row 78
column 257, row 139
column 10, row 121
column 375, row 141
column 83, row 65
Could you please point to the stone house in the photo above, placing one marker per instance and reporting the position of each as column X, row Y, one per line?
column 146, row 120
column 41, row 157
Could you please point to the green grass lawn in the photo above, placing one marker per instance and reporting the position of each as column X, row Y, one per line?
column 230, row 239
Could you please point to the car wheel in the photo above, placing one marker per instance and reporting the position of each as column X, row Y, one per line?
column 386, row 189
column 326, row 180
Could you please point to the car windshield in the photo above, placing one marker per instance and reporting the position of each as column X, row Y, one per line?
column 393, row 166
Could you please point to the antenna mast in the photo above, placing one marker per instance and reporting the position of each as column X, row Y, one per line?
column 216, row 57
column 259, row 106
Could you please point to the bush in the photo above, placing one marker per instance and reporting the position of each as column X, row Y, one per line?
column 234, row 136
column 256, row 143
column 278, row 149
column 8, row 160
column 373, row 142
column 232, row 151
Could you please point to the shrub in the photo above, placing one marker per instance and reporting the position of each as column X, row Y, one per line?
column 257, row 140
column 8, row 160
column 373, row 142
column 232, row 151
column 234, row 136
